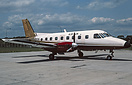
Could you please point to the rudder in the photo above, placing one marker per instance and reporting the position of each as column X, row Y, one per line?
column 29, row 32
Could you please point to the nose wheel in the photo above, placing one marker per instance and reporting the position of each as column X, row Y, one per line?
column 109, row 57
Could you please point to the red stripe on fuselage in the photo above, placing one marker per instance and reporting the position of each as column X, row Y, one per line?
column 65, row 43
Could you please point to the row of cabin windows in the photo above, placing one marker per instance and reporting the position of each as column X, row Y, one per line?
column 67, row 38
column 96, row 36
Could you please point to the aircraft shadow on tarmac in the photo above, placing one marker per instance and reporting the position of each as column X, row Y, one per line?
column 30, row 56
column 76, row 58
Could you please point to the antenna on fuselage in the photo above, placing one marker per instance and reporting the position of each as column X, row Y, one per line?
column 65, row 30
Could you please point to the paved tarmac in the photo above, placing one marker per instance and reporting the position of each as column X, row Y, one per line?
column 34, row 68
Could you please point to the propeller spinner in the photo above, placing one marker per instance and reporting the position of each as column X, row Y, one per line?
column 74, row 44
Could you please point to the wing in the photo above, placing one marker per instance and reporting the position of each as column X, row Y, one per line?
column 49, row 46
column 30, row 42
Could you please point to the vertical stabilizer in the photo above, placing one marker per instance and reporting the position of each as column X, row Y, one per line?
column 29, row 32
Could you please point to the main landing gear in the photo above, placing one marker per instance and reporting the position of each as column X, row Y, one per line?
column 80, row 54
column 52, row 56
column 109, row 57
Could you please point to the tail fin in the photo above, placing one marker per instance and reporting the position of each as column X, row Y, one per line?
column 29, row 32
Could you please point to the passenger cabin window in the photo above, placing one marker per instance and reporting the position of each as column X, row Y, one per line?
column 41, row 39
column 56, row 38
column 96, row 36
column 46, row 38
column 50, row 38
column 86, row 36
column 67, row 37
column 61, row 38
column 79, row 37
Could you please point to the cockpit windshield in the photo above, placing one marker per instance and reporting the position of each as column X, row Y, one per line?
column 101, row 35
column 106, row 34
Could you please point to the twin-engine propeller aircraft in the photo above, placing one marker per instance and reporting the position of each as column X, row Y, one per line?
column 60, row 43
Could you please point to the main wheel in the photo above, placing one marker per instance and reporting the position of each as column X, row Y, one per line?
column 80, row 54
column 109, row 57
column 51, row 57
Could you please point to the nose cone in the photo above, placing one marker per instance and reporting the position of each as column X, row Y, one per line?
column 127, row 44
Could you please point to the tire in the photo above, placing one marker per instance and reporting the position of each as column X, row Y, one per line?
column 51, row 57
column 109, row 57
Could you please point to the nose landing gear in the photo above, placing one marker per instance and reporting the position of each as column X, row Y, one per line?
column 109, row 57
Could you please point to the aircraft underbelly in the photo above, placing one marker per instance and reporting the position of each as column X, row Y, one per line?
column 89, row 48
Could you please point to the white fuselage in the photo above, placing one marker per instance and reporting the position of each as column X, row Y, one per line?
column 83, row 38
column 86, row 40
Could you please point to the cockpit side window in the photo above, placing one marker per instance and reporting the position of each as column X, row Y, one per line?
column 96, row 36
column 101, row 35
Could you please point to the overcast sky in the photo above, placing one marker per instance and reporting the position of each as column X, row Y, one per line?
column 113, row 16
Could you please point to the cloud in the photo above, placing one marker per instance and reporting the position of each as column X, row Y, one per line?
column 68, row 19
column 15, row 3
column 50, row 22
column 59, row 19
column 29, row 5
column 98, row 4
column 42, row 20
column 101, row 20
column 15, row 21
column 7, row 24
column 127, row 21
column 54, row 2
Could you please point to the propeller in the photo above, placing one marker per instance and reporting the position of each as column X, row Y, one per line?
column 74, row 45
column 74, row 38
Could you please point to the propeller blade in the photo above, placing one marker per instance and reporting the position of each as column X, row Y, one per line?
column 69, row 49
column 74, row 45
column 74, row 38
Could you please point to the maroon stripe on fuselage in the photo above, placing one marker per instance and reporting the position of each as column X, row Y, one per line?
column 64, row 43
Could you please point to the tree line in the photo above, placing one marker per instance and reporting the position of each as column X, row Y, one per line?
column 8, row 45
column 127, row 38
